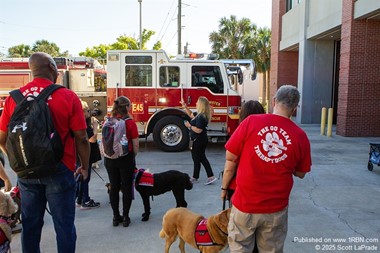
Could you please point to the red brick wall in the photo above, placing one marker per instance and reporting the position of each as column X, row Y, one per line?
column 359, row 76
column 284, row 65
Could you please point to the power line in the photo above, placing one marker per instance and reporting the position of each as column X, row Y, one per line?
column 171, row 39
column 166, row 19
column 174, row 13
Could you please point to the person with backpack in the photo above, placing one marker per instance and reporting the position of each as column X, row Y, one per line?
column 120, row 144
column 45, row 174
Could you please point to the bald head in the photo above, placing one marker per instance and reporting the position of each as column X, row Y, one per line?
column 43, row 65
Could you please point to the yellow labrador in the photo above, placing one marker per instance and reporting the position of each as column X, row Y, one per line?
column 186, row 225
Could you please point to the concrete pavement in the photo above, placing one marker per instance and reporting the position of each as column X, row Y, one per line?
column 334, row 208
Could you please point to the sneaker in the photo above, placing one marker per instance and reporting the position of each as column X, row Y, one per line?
column 210, row 180
column 90, row 205
column 78, row 204
column 194, row 180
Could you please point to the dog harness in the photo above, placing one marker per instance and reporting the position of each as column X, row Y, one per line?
column 144, row 178
column 202, row 236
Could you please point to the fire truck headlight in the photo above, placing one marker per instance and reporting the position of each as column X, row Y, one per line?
column 162, row 100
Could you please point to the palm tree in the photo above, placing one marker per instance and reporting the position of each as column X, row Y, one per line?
column 230, row 42
column 261, row 56
column 19, row 51
column 46, row 47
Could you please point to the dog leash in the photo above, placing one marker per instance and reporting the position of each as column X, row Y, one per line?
column 98, row 174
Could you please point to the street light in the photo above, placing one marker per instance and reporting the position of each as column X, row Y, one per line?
column 140, row 25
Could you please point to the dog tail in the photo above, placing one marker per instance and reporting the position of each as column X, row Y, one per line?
column 162, row 233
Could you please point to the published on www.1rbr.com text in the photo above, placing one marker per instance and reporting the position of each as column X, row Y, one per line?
column 340, row 244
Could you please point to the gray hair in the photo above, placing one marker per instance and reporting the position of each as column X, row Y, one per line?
column 288, row 95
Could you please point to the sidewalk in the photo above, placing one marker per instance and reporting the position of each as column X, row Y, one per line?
column 335, row 208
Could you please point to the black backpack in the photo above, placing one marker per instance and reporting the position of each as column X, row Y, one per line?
column 34, row 146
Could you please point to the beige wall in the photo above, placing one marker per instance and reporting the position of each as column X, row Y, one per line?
column 324, row 15
column 365, row 8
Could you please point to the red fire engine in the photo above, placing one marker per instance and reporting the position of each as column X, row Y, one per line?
column 155, row 84
column 80, row 74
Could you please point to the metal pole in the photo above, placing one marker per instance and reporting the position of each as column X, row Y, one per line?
column 323, row 120
column 140, row 25
column 179, row 26
column 329, row 122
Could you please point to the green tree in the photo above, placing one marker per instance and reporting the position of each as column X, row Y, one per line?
column 123, row 42
column 241, row 39
column 261, row 56
column 46, row 47
column 157, row 45
column 97, row 52
column 20, row 51
column 233, row 38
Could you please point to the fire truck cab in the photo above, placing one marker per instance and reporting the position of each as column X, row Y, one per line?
column 155, row 84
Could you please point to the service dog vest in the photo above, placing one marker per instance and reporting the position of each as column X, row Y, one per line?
column 202, row 236
column 144, row 178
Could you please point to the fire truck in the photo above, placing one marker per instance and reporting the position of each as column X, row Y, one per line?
column 156, row 84
column 81, row 74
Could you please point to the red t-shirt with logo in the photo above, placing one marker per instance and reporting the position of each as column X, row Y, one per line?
column 66, row 110
column 270, row 148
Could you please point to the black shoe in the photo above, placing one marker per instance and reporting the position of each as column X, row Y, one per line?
column 116, row 220
column 145, row 216
column 126, row 221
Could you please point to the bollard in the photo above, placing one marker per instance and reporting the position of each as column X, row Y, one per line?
column 323, row 120
column 329, row 122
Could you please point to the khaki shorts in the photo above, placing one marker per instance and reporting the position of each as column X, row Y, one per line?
column 268, row 229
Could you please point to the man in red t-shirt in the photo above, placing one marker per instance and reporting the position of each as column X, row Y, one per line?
column 268, row 150
column 57, row 190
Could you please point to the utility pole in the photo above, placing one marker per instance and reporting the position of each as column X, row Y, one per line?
column 140, row 25
column 179, row 26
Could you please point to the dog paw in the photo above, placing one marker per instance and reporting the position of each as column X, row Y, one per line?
column 145, row 217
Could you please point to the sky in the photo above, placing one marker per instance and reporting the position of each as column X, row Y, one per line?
column 75, row 25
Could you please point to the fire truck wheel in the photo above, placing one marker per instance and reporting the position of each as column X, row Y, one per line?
column 170, row 134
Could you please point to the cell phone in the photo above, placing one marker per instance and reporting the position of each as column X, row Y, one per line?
column 185, row 121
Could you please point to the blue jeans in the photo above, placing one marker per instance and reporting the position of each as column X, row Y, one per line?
column 82, row 189
column 59, row 192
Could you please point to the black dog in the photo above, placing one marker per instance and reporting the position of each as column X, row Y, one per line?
column 148, row 184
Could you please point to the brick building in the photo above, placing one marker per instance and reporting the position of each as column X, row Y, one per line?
column 330, row 50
